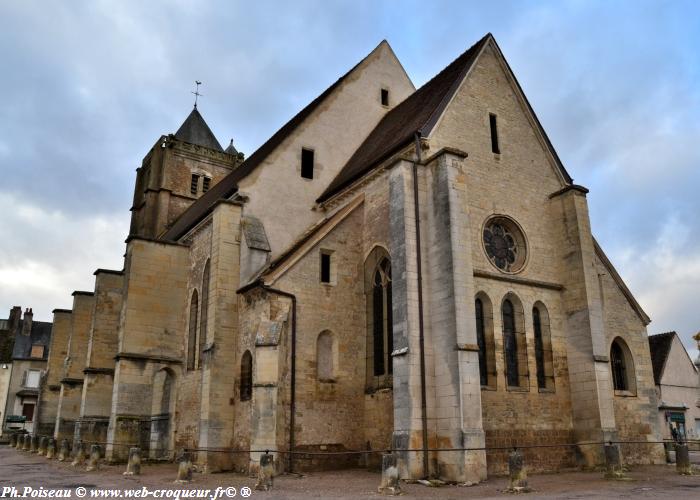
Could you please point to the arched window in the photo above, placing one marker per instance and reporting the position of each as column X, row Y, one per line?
column 514, row 344
column 205, row 311
column 543, row 347
column 325, row 357
column 622, row 366
column 380, row 324
column 484, row 338
column 246, row 380
column 192, row 334
column 481, row 341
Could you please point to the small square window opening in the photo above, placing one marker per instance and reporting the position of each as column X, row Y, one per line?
column 385, row 97
column 307, row 163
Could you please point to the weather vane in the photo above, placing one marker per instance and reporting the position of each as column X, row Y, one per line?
column 196, row 93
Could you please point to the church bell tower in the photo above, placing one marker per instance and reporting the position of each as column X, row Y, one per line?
column 178, row 169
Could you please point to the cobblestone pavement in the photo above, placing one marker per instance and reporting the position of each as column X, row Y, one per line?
column 21, row 469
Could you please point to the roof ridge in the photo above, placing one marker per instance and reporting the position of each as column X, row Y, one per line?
column 399, row 125
column 229, row 184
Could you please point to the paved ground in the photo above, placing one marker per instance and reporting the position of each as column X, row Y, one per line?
column 21, row 469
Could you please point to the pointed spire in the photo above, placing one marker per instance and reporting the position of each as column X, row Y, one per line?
column 196, row 131
column 230, row 149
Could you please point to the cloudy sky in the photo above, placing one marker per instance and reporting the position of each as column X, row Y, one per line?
column 86, row 88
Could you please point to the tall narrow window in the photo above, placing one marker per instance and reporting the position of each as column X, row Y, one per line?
column 206, row 183
column 192, row 334
column 385, row 97
column 481, row 341
column 494, row 134
column 378, row 333
column 325, row 267
column 246, row 380
column 619, row 370
column 539, row 347
column 205, row 312
column 194, row 184
column 510, row 344
column 307, row 163
column 380, row 322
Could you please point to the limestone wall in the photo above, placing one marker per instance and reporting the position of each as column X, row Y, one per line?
column 51, row 387
column 333, row 132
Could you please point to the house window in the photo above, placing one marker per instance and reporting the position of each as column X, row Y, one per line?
column 494, row 134
column 206, row 183
column 32, row 378
column 192, row 335
column 194, row 184
column 28, row 411
column 385, row 97
column 325, row 267
column 246, row 381
column 37, row 351
column 307, row 163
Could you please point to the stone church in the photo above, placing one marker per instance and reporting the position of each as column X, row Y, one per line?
column 393, row 268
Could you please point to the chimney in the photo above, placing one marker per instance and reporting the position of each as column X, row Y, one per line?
column 27, row 324
column 15, row 316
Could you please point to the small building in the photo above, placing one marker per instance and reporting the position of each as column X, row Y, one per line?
column 29, row 356
column 676, row 379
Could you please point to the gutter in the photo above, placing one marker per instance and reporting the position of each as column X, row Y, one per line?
column 421, row 335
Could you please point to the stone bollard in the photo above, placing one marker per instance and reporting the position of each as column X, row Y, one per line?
column 64, row 452
column 266, row 472
column 27, row 443
column 133, row 467
column 390, row 476
column 613, row 463
column 94, row 459
column 43, row 440
column 517, row 473
column 51, row 448
column 184, row 469
column 78, row 454
column 13, row 440
column 683, row 465
column 33, row 444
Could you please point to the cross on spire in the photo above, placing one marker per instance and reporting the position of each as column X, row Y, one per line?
column 196, row 93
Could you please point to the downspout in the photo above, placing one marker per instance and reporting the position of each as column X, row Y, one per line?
column 292, row 399
column 421, row 336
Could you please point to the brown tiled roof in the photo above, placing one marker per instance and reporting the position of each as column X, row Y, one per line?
column 419, row 114
column 229, row 184
column 660, row 347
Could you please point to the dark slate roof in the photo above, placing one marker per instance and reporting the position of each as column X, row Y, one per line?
column 230, row 149
column 229, row 184
column 418, row 114
column 40, row 335
column 196, row 131
column 660, row 347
